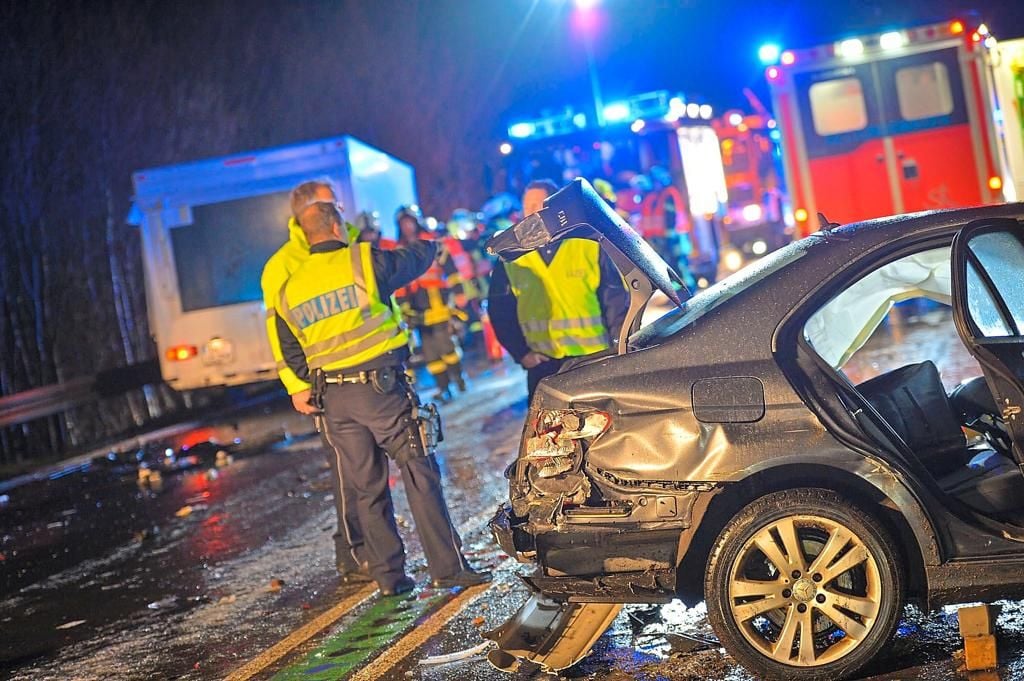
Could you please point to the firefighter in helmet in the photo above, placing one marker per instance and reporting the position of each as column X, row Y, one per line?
column 428, row 305
column 368, row 224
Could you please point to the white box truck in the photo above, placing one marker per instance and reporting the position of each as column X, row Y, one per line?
column 209, row 226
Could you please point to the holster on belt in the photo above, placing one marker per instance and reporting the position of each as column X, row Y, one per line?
column 317, row 389
column 423, row 425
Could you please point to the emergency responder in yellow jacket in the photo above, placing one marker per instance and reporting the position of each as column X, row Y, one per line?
column 338, row 331
column 428, row 306
column 561, row 301
column 349, row 553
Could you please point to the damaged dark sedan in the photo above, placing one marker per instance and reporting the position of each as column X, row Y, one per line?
column 728, row 452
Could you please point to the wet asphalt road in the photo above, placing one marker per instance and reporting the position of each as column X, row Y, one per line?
column 104, row 577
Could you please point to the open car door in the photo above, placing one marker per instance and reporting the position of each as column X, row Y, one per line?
column 988, row 307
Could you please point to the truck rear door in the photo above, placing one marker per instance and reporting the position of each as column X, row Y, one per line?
column 841, row 117
column 926, row 118
column 890, row 136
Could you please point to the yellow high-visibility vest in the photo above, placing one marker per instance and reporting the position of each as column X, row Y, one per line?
column 279, row 267
column 276, row 271
column 557, row 304
column 332, row 305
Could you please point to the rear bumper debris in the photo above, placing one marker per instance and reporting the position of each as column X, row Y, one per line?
column 549, row 634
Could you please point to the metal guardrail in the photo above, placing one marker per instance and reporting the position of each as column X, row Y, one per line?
column 54, row 399
column 46, row 401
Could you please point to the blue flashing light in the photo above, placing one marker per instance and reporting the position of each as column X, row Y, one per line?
column 769, row 53
column 521, row 130
column 580, row 120
column 616, row 112
column 775, row 135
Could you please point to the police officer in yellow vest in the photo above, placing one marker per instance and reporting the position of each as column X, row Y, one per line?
column 561, row 301
column 338, row 331
column 349, row 552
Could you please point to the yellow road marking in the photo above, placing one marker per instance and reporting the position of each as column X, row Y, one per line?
column 401, row 649
column 301, row 635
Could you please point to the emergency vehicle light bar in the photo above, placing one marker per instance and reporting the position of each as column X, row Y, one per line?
column 875, row 43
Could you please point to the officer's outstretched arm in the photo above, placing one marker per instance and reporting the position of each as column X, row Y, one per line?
column 401, row 266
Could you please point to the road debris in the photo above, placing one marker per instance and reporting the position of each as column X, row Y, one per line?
column 976, row 626
column 71, row 625
column 275, row 585
column 458, row 656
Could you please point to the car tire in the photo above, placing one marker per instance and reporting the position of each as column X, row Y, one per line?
column 841, row 580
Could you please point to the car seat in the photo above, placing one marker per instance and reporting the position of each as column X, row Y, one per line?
column 913, row 401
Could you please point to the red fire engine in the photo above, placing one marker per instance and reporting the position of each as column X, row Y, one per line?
column 888, row 123
column 755, row 222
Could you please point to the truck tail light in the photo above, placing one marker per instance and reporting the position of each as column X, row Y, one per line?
column 179, row 353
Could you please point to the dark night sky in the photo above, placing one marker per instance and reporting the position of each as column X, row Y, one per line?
column 701, row 47
column 435, row 82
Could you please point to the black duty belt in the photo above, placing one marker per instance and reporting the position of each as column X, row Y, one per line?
column 369, row 376
column 360, row 377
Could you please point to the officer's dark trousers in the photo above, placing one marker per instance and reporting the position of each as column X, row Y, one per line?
column 360, row 425
column 349, row 552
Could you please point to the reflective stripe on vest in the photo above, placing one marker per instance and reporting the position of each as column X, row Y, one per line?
column 339, row 319
column 558, row 307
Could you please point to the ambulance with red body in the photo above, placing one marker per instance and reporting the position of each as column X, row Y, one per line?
column 892, row 122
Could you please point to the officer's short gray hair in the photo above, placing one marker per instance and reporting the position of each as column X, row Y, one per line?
column 319, row 219
column 305, row 194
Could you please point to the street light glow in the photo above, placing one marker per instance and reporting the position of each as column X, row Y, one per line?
column 768, row 53
column 616, row 112
column 521, row 130
column 505, row 148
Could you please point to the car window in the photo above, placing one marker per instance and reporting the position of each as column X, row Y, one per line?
column 895, row 315
column 923, row 91
column 982, row 306
column 838, row 106
column 1001, row 254
column 842, row 326
column 704, row 301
